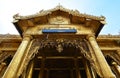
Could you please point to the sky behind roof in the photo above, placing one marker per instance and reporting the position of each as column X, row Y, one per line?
column 108, row 8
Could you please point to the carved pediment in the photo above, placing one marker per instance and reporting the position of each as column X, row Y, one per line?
column 59, row 20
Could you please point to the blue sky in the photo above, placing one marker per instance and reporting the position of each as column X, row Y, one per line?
column 108, row 8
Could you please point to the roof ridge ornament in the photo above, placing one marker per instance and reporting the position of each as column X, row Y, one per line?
column 59, row 7
column 102, row 17
column 16, row 16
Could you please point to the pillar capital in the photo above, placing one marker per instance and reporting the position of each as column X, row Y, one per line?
column 89, row 36
column 27, row 37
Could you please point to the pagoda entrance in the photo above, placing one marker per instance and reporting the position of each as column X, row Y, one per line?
column 49, row 63
column 60, row 59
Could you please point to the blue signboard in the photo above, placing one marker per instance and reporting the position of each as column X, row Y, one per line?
column 59, row 31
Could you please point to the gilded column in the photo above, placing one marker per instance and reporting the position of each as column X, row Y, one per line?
column 23, row 63
column 105, row 69
column 30, row 70
column 14, row 65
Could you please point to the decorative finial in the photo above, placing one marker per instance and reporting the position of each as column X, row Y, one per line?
column 59, row 48
column 102, row 17
column 16, row 16
column 59, row 5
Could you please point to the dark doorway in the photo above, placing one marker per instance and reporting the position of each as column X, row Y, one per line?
column 49, row 63
column 60, row 74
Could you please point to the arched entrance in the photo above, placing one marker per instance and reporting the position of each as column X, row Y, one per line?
column 49, row 63
column 60, row 58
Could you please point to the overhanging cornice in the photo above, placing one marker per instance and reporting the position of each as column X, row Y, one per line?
column 96, row 23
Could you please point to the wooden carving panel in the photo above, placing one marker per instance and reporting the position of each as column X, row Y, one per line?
column 59, row 20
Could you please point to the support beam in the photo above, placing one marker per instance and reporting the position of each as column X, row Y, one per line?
column 118, row 52
column 104, row 67
column 87, row 69
column 77, row 68
column 14, row 65
column 117, row 68
column 2, row 65
column 93, row 73
column 41, row 74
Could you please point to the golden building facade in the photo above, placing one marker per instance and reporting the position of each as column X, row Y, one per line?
column 59, row 43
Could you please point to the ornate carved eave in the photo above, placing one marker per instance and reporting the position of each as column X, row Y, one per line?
column 61, row 8
column 109, row 36
column 9, row 36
